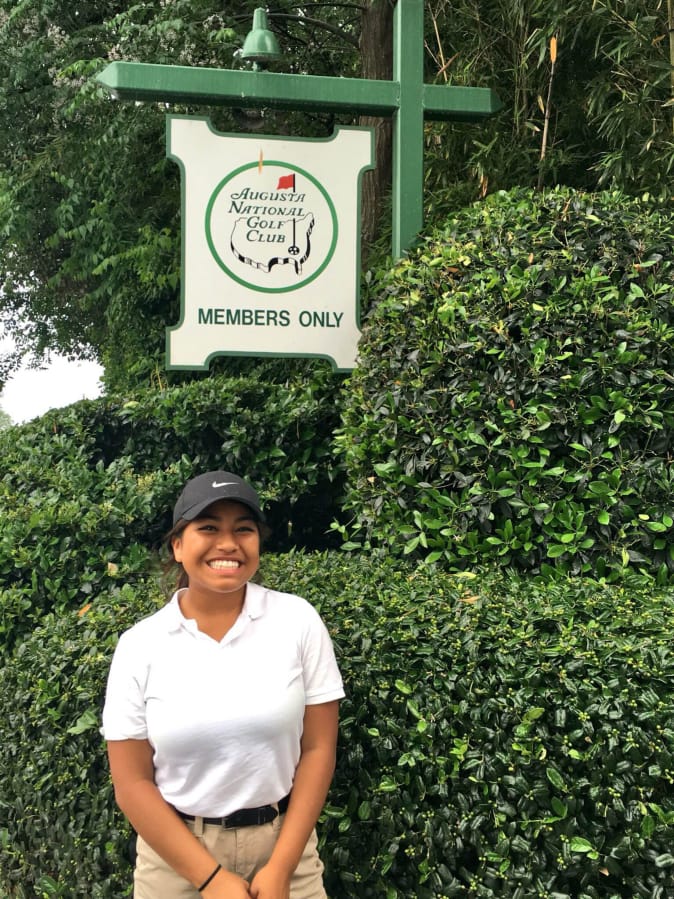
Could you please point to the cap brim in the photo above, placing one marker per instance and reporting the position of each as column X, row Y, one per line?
column 196, row 510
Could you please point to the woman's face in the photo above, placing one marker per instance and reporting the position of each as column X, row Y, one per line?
column 219, row 550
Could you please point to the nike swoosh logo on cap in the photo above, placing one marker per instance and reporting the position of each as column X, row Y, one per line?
column 224, row 484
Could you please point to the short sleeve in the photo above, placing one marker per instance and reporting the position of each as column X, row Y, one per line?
column 124, row 709
column 322, row 679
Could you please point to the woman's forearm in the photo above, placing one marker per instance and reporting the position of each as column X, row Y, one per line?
column 310, row 787
column 159, row 825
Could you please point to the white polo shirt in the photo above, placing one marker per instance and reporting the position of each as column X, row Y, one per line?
column 224, row 719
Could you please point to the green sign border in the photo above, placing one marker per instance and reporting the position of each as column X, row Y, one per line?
column 220, row 261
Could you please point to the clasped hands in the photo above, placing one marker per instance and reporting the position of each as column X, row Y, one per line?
column 267, row 884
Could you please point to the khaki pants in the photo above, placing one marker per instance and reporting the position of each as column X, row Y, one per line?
column 241, row 850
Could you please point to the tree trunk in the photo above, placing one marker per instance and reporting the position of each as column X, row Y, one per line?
column 376, row 45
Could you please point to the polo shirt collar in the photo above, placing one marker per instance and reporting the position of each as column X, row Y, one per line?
column 254, row 606
column 256, row 600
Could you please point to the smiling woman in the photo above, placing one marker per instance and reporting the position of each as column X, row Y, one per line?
column 31, row 392
column 221, row 716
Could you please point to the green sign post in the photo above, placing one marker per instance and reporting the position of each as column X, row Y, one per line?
column 407, row 99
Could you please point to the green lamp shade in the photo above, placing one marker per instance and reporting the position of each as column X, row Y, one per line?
column 260, row 44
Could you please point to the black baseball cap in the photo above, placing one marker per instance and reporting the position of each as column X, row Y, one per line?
column 199, row 492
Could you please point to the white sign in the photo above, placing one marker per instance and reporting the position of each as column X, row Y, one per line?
column 271, row 244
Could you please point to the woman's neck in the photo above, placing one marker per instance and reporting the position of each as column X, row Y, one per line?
column 214, row 615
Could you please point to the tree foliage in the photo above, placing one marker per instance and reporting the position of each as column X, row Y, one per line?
column 89, row 205
column 611, row 122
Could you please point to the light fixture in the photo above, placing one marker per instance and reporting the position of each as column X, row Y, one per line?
column 260, row 45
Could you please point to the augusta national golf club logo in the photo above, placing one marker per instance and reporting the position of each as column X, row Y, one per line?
column 271, row 226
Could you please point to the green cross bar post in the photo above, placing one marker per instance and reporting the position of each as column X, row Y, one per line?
column 406, row 98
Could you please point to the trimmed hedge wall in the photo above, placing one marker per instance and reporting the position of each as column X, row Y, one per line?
column 514, row 398
column 86, row 492
column 60, row 832
column 501, row 738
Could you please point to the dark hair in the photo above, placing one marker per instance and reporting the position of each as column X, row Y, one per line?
column 173, row 568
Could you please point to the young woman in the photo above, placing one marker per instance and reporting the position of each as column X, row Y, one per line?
column 221, row 717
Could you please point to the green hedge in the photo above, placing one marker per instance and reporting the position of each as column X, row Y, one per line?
column 60, row 833
column 514, row 398
column 500, row 738
column 86, row 492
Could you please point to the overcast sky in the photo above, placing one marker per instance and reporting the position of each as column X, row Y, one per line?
column 32, row 392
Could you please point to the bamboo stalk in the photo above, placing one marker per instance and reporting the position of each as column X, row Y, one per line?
column 546, row 124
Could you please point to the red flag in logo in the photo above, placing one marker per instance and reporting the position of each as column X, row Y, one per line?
column 286, row 181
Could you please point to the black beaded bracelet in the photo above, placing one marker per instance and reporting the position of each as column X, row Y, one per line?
column 208, row 879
